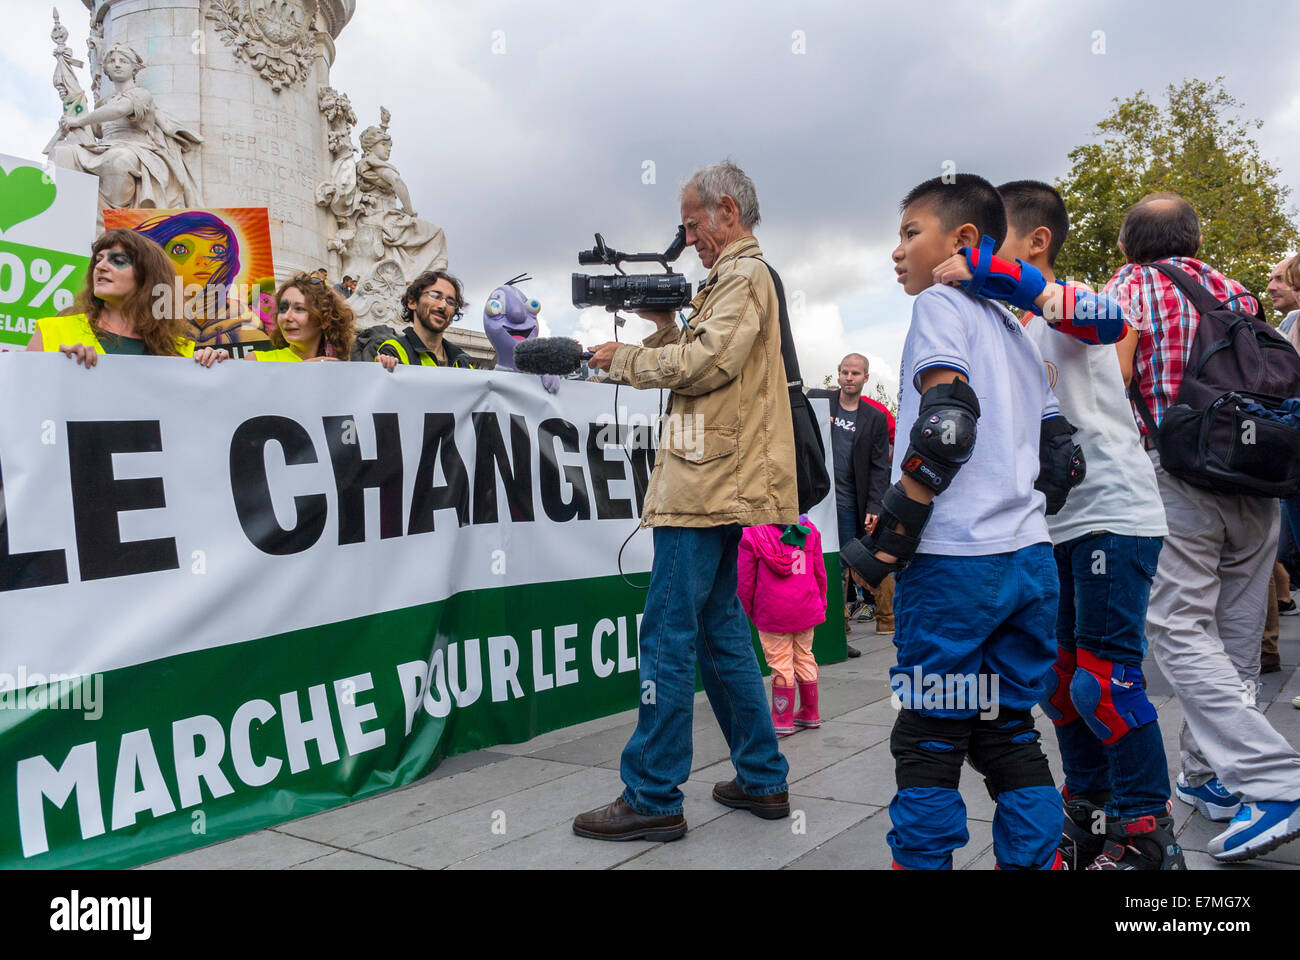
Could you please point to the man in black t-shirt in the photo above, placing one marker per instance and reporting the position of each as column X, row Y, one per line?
column 860, row 443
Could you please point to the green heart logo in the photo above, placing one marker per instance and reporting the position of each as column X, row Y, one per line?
column 25, row 192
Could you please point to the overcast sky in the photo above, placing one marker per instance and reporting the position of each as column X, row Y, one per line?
column 521, row 156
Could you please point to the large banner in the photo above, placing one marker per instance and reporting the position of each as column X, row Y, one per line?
column 47, row 224
column 237, row 596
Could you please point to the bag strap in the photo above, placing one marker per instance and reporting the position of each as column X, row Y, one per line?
column 792, row 375
column 1197, row 295
column 1139, row 401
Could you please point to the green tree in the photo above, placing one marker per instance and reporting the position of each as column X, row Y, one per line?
column 882, row 395
column 1197, row 146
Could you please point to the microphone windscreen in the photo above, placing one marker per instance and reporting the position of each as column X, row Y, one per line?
column 559, row 356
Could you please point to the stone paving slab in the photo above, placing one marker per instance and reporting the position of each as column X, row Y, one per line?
column 264, row 850
column 741, row 841
column 557, row 848
column 388, row 813
column 349, row 860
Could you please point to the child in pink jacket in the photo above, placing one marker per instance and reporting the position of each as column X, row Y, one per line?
column 782, row 586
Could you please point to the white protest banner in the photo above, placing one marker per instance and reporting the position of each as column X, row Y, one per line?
column 232, row 597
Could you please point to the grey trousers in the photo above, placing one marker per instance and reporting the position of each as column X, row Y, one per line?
column 1204, row 623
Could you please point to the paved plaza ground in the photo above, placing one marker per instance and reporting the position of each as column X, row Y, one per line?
column 511, row 806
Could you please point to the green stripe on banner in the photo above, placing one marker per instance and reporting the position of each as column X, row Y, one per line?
column 204, row 746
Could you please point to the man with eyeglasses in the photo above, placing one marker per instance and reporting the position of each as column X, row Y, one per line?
column 430, row 305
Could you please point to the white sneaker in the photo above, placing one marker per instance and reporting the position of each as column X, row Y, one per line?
column 1256, row 829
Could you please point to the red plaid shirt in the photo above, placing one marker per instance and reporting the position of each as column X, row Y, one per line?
column 1166, row 324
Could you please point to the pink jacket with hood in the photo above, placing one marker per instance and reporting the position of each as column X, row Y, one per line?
column 777, row 599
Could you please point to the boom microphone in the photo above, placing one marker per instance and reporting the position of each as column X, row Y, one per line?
column 559, row 356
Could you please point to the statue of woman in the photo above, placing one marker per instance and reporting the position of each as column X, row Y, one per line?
column 139, row 154
column 396, row 231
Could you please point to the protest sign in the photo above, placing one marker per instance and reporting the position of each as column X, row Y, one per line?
column 225, row 278
column 47, row 224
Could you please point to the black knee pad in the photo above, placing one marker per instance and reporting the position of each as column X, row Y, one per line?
column 928, row 751
column 1006, row 752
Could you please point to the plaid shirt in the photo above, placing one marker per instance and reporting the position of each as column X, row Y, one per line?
column 1166, row 324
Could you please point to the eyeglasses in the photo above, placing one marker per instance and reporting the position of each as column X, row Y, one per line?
column 117, row 259
column 437, row 297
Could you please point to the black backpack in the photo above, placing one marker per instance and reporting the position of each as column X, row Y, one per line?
column 809, row 448
column 368, row 339
column 1206, row 438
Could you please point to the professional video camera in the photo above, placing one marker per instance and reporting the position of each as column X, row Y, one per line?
column 637, row 291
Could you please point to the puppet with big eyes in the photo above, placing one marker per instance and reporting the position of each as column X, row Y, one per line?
column 510, row 317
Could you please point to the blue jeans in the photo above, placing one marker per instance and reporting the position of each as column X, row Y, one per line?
column 990, row 617
column 1105, row 584
column 849, row 529
column 692, row 609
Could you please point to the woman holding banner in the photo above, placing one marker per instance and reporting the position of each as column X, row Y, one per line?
column 313, row 323
column 124, row 308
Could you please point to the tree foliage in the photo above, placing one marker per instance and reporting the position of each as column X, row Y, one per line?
column 1196, row 146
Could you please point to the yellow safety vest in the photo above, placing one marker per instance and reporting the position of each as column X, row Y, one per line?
column 75, row 329
column 283, row 355
column 426, row 359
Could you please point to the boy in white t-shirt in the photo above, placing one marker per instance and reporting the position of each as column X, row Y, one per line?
column 1107, row 539
column 975, row 606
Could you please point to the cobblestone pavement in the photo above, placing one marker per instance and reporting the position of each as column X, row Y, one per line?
column 511, row 806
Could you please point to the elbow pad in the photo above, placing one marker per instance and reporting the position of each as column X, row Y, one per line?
column 1019, row 283
column 943, row 436
column 1061, row 466
column 898, row 509
column 1093, row 318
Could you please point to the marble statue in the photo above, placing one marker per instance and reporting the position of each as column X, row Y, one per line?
column 68, row 87
column 141, row 156
column 378, row 234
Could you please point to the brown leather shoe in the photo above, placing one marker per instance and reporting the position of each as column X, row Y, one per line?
column 884, row 625
column 773, row 807
column 618, row 821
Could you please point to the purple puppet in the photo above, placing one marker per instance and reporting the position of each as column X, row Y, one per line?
column 510, row 317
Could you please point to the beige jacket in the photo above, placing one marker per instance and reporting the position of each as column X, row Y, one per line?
column 726, row 448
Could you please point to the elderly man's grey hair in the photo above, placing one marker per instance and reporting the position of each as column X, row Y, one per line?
column 717, row 180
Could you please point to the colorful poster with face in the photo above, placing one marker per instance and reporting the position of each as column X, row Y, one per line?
column 225, row 280
column 47, row 223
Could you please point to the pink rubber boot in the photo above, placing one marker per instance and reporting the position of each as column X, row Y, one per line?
column 782, row 708
column 807, row 715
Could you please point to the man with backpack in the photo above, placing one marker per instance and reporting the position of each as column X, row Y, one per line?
column 1206, row 374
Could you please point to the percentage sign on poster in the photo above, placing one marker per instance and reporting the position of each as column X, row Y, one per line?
column 42, row 272
column 13, row 281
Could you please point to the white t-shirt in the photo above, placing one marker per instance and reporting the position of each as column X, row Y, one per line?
column 1119, row 492
column 991, row 506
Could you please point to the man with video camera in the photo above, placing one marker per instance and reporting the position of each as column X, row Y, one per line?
column 727, row 377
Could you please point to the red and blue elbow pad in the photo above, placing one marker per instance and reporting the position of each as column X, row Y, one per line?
column 1019, row 283
column 1091, row 317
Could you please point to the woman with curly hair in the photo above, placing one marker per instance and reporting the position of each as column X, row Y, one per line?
column 125, row 308
column 313, row 323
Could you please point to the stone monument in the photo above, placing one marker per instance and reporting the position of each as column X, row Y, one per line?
column 377, row 235
column 227, row 103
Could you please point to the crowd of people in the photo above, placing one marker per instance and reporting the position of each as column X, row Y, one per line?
column 1030, row 533
column 127, row 306
column 1033, row 533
